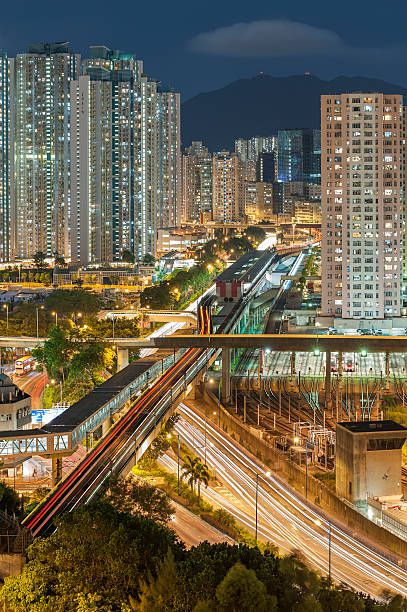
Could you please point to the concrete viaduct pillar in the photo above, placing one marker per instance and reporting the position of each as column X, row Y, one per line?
column 122, row 358
column 56, row 469
column 225, row 375
column 106, row 425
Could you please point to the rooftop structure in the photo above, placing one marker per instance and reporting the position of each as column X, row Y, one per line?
column 368, row 459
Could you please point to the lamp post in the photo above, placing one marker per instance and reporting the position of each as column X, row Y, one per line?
column 55, row 314
column 318, row 522
column 257, row 500
column 6, row 308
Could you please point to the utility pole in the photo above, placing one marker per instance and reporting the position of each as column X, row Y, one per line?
column 244, row 409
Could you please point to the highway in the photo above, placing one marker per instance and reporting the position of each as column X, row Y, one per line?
column 33, row 384
column 284, row 517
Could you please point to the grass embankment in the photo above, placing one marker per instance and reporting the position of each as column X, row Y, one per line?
column 217, row 517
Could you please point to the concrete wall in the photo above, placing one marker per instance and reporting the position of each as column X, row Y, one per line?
column 358, row 525
column 11, row 564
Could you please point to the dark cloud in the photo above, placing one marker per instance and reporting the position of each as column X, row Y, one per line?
column 273, row 38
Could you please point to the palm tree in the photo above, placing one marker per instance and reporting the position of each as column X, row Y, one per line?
column 203, row 477
column 195, row 472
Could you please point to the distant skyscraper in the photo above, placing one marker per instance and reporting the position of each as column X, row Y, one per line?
column 4, row 158
column 266, row 168
column 228, row 193
column 298, row 161
column 40, row 129
column 241, row 149
column 196, row 182
column 362, row 171
column 197, row 148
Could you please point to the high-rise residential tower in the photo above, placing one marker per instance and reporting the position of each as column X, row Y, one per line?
column 196, row 182
column 126, row 181
column 228, row 192
column 40, row 164
column 4, row 158
column 362, row 170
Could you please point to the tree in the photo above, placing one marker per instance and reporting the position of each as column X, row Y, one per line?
column 60, row 261
column 137, row 496
column 195, row 472
column 255, row 233
column 39, row 259
column 88, row 359
column 128, row 256
column 67, row 301
column 96, row 553
column 242, row 591
column 55, row 354
column 148, row 259
column 8, row 498
column 156, row 594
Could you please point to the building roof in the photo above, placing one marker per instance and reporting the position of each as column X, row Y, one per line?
column 372, row 426
column 246, row 268
column 81, row 410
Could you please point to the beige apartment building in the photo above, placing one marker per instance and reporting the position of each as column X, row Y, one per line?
column 362, row 169
column 259, row 201
column 228, row 190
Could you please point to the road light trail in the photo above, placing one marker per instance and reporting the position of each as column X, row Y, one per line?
column 284, row 515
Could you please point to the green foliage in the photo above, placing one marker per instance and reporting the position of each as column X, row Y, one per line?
column 96, row 555
column 55, row 354
column 137, row 496
column 9, row 499
column 66, row 302
column 39, row 259
column 326, row 477
column 242, row 591
column 148, row 259
column 162, row 442
column 128, row 256
column 196, row 473
column 255, row 233
column 156, row 594
column 100, row 559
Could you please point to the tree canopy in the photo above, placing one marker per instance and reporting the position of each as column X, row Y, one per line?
column 136, row 496
column 101, row 559
column 68, row 301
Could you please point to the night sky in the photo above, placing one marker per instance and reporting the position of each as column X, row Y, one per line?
column 198, row 46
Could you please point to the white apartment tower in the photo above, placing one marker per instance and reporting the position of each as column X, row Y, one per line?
column 40, row 164
column 362, row 194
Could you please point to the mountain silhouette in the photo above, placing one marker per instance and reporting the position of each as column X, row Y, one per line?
column 262, row 105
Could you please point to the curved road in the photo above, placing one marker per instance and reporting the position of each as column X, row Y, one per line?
column 284, row 517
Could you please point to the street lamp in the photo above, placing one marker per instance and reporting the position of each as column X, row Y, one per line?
column 37, row 309
column 6, row 307
column 257, row 498
column 55, row 314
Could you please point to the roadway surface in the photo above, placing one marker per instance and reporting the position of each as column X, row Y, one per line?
column 33, row 384
column 193, row 530
column 285, row 518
